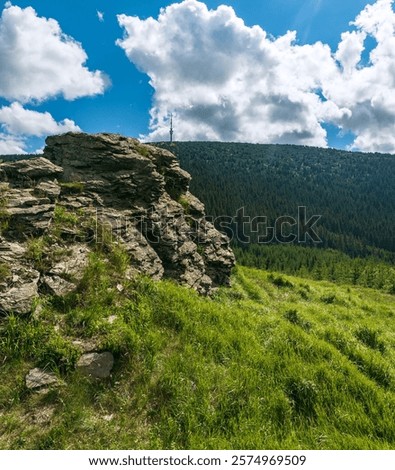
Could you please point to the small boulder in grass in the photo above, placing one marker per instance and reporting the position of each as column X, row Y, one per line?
column 96, row 365
column 37, row 378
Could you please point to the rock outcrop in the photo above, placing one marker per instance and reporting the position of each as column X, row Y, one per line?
column 96, row 365
column 92, row 189
column 37, row 378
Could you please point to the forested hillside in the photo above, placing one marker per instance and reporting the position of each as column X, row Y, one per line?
column 353, row 192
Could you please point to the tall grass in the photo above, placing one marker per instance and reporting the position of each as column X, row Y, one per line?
column 268, row 363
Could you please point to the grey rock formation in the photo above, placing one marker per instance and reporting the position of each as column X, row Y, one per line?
column 96, row 365
column 41, row 416
column 63, row 276
column 19, row 284
column 23, row 171
column 49, row 189
column 85, row 345
column 58, row 286
column 37, row 378
column 92, row 189
column 28, row 214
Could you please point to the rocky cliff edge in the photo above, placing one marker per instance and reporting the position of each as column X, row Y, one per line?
column 89, row 191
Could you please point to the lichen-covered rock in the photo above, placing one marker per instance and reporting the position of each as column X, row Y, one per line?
column 73, row 265
column 96, row 365
column 20, row 297
column 18, row 281
column 37, row 378
column 29, row 171
column 85, row 345
column 92, row 189
column 49, row 189
column 28, row 215
column 58, row 286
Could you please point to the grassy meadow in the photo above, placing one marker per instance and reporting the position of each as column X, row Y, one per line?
column 274, row 362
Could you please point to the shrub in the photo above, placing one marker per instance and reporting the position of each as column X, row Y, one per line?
column 4, row 216
column 303, row 396
column 73, row 187
column 328, row 299
column 63, row 217
column 293, row 317
column 4, row 272
column 370, row 338
column 184, row 203
column 142, row 150
column 279, row 281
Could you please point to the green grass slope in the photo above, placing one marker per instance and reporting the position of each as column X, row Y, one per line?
column 273, row 362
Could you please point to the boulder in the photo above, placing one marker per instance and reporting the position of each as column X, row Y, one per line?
column 73, row 265
column 86, row 345
column 58, row 286
column 41, row 416
column 37, row 378
column 19, row 299
column 96, row 365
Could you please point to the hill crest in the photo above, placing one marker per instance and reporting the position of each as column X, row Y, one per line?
column 90, row 192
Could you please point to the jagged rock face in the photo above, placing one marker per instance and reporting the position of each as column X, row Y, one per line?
column 108, row 186
column 18, row 280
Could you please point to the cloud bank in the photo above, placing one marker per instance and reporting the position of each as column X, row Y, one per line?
column 16, row 120
column 38, row 62
column 223, row 80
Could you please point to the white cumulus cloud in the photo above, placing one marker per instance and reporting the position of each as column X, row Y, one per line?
column 18, row 123
column 11, row 145
column 17, row 120
column 368, row 91
column 224, row 80
column 39, row 61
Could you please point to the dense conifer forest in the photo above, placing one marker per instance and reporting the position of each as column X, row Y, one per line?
column 353, row 192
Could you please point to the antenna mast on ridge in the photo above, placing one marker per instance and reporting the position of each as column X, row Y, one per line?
column 171, row 127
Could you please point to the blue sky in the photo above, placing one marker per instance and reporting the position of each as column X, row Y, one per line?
column 126, row 98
